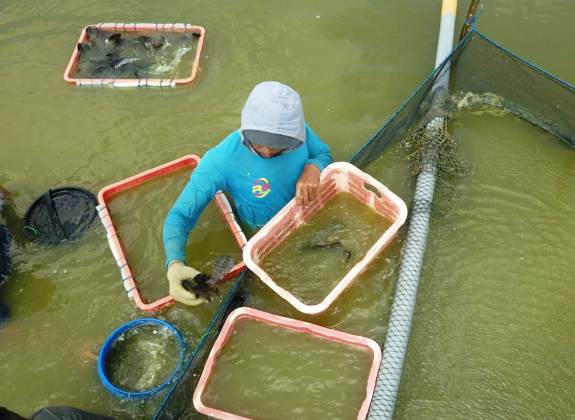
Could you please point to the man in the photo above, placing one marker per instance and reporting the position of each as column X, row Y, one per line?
column 273, row 157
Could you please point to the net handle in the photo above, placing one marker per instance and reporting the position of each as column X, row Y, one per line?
column 53, row 214
column 471, row 17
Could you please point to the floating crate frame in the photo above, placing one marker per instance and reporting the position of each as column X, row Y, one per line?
column 104, row 196
column 302, row 327
column 137, row 27
column 335, row 178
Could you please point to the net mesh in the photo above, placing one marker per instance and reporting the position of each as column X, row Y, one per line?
column 60, row 215
column 481, row 74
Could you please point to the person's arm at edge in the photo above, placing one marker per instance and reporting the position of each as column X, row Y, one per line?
column 319, row 157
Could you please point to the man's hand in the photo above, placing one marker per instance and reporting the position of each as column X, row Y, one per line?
column 177, row 272
column 307, row 185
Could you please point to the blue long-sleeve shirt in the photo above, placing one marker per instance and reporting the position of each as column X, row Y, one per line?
column 259, row 187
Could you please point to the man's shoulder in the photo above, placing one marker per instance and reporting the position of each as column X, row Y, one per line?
column 226, row 147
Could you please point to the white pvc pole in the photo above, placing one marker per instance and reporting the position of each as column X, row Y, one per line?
column 389, row 377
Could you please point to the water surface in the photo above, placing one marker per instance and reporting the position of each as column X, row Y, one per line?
column 491, row 334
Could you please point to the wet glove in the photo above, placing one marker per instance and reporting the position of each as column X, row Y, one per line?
column 177, row 272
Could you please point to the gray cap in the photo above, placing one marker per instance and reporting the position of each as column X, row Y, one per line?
column 273, row 116
column 277, row 141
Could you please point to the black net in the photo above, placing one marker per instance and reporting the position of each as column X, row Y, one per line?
column 177, row 404
column 482, row 74
column 60, row 215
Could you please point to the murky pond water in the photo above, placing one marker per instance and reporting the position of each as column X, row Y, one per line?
column 491, row 335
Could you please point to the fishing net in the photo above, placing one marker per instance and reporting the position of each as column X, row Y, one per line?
column 60, row 215
column 482, row 74
column 177, row 403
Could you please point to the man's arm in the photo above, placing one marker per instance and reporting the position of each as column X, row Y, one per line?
column 206, row 180
column 319, row 153
column 319, row 158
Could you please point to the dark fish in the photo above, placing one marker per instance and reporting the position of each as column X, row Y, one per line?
column 115, row 39
column 200, row 286
column 83, row 47
column 203, row 285
column 96, row 39
column 151, row 42
column 93, row 32
column 159, row 41
column 336, row 246
column 110, row 59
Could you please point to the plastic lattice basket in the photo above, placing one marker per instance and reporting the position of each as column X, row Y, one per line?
column 337, row 178
column 107, row 193
column 313, row 332
column 159, row 28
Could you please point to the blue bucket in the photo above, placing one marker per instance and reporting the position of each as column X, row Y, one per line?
column 116, row 334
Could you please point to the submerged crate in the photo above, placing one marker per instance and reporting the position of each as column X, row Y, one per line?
column 143, row 28
column 107, row 193
column 339, row 346
column 337, row 178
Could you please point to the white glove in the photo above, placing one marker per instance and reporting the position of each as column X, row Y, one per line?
column 177, row 272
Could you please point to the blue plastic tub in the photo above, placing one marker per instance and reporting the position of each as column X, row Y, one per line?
column 117, row 333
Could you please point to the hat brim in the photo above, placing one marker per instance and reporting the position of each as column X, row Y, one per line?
column 276, row 141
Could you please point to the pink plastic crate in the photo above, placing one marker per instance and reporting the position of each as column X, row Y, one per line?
column 336, row 178
column 248, row 314
column 107, row 193
column 138, row 27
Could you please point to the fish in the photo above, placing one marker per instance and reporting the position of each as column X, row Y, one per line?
column 83, row 47
column 95, row 37
column 154, row 42
column 115, row 39
column 162, row 67
column 335, row 245
column 203, row 285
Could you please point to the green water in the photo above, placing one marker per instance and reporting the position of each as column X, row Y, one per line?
column 492, row 333
column 142, row 358
column 276, row 373
column 336, row 238
column 493, row 330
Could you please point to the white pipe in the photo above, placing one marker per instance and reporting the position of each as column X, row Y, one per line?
column 389, row 377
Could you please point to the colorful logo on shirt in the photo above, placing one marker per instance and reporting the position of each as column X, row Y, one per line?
column 261, row 187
